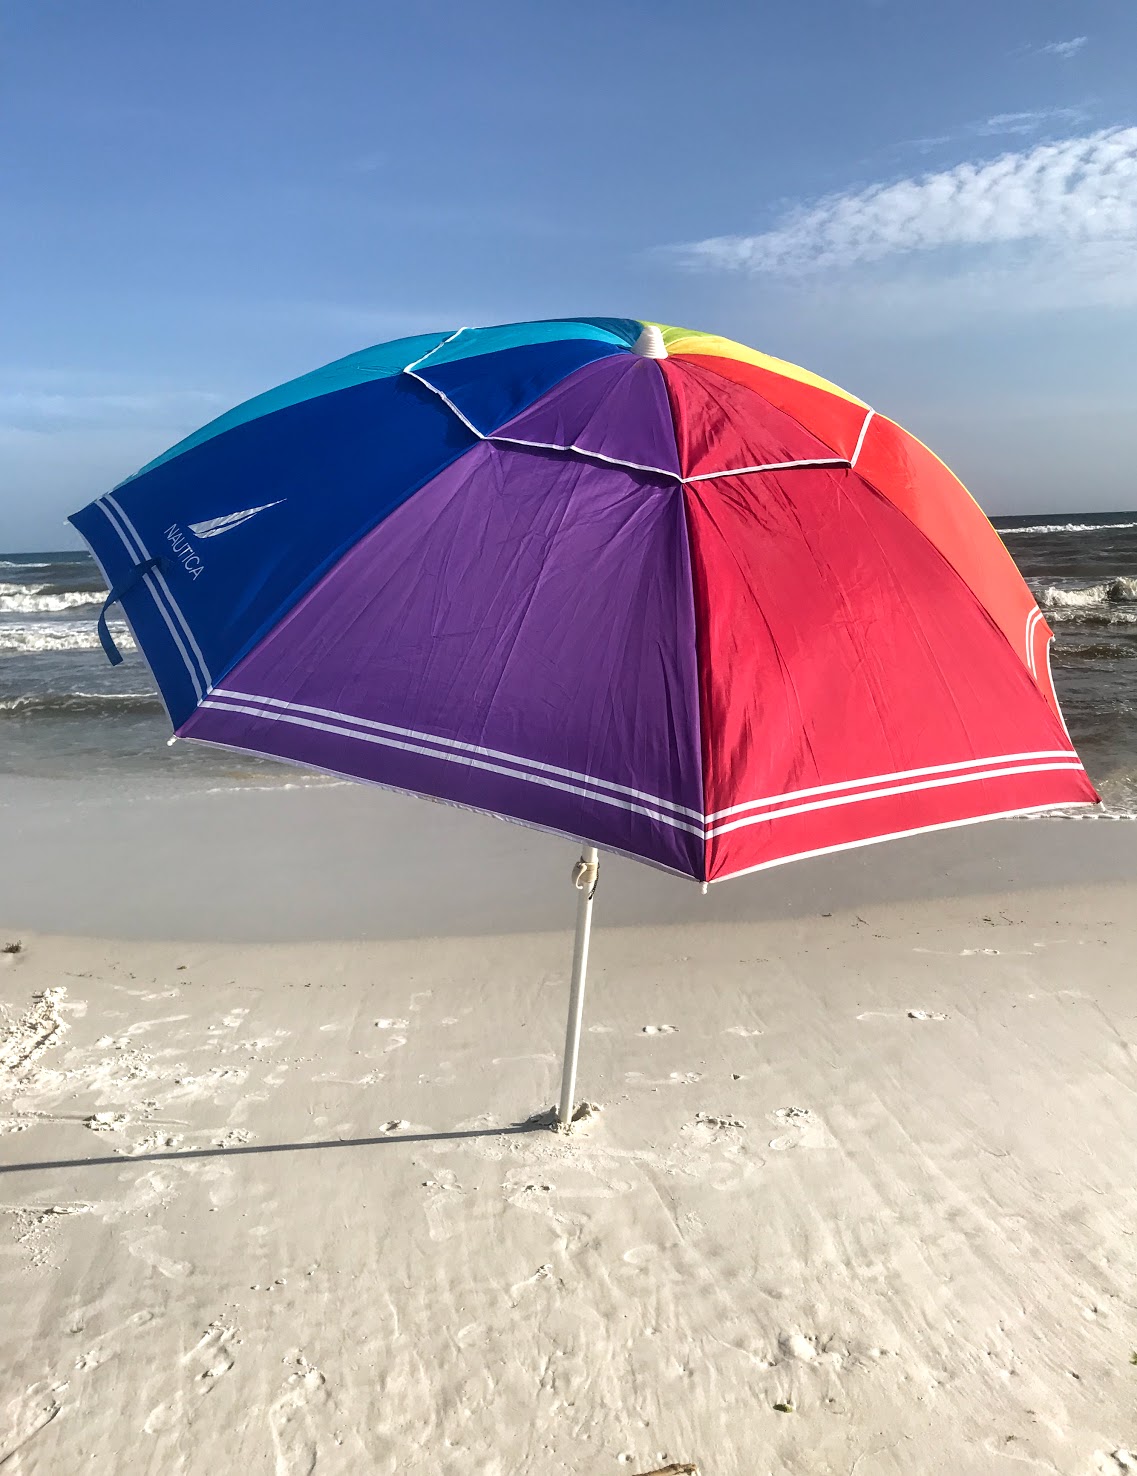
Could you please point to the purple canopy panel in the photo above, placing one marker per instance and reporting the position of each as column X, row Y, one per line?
column 517, row 637
column 616, row 408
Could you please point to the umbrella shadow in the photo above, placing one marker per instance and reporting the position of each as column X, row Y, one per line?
column 541, row 1122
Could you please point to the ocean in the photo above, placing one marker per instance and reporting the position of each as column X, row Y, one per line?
column 66, row 713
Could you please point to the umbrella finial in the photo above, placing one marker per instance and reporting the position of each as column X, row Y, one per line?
column 650, row 343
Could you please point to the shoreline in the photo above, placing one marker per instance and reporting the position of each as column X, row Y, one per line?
column 333, row 862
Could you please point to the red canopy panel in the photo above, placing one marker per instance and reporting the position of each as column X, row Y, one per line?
column 831, row 419
column 852, row 686
column 724, row 426
column 916, row 481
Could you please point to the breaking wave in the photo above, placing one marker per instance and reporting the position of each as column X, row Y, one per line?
column 1118, row 591
column 1066, row 528
column 35, row 599
column 80, row 704
column 1091, row 615
column 63, row 635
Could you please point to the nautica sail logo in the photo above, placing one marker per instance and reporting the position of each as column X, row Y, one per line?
column 212, row 527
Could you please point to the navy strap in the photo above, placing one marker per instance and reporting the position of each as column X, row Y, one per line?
column 123, row 587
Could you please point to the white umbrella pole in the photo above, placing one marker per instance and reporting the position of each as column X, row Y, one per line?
column 584, row 876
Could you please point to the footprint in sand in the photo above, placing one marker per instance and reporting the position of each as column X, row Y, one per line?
column 443, row 1218
column 145, row 1245
column 210, row 1357
column 659, row 1029
column 292, row 1423
column 106, row 1347
column 206, row 1362
column 798, row 1119
column 26, row 1416
column 303, row 1422
column 542, row 1273
column 535, row 1195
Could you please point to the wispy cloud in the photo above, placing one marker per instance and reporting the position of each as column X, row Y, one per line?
column 1055, row 195
column 1033, row 121
column 1046, row 121
column 1064, row 49
column 1000, row 125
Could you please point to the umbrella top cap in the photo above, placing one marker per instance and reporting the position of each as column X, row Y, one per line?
column 650, row 343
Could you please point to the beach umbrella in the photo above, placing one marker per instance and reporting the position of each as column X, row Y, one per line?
column 639, row 586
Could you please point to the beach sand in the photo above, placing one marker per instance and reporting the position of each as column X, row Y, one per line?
column 860, row 1198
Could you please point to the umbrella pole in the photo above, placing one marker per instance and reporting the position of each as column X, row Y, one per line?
column 585, row 874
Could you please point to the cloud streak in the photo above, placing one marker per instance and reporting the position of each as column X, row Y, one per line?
column 1060, row 195
column 1064, row 49
column 1000, row 125
column 1033, row 121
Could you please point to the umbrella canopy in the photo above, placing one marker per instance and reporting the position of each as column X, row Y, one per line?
column 629, row 583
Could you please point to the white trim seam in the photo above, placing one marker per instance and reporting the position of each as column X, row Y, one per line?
column 159, row 605
column 471, row 756
column 496, row 438
column 181, row 619
column 1031, row 622
column 861, row 438
column 414, row 364
column 873, row 840
column 792, row 794
column 1054, row 689
column 465, row 760
column 975, row 777
column 458, row 746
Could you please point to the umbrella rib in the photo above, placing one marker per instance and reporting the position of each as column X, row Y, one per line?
column 497, row 439
column 861, row 438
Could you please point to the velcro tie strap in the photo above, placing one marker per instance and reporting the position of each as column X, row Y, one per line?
column 123, row 587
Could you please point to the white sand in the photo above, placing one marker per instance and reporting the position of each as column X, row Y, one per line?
column 879, row 1168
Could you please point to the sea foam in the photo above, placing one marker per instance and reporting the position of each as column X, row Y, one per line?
column 1066, row 528
column 63, row 635
column 36, row 600
column 1117, row 591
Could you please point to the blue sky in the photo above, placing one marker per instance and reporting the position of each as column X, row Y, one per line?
column 934, row 205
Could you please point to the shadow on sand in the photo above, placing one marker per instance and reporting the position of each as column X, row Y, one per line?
column 542, row 1122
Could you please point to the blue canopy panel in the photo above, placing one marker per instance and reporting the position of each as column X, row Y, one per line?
column 246, row 522
column 377, row 362
column 247, row 519
column 465, row 343
column 384, row 359
column 488, row 390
